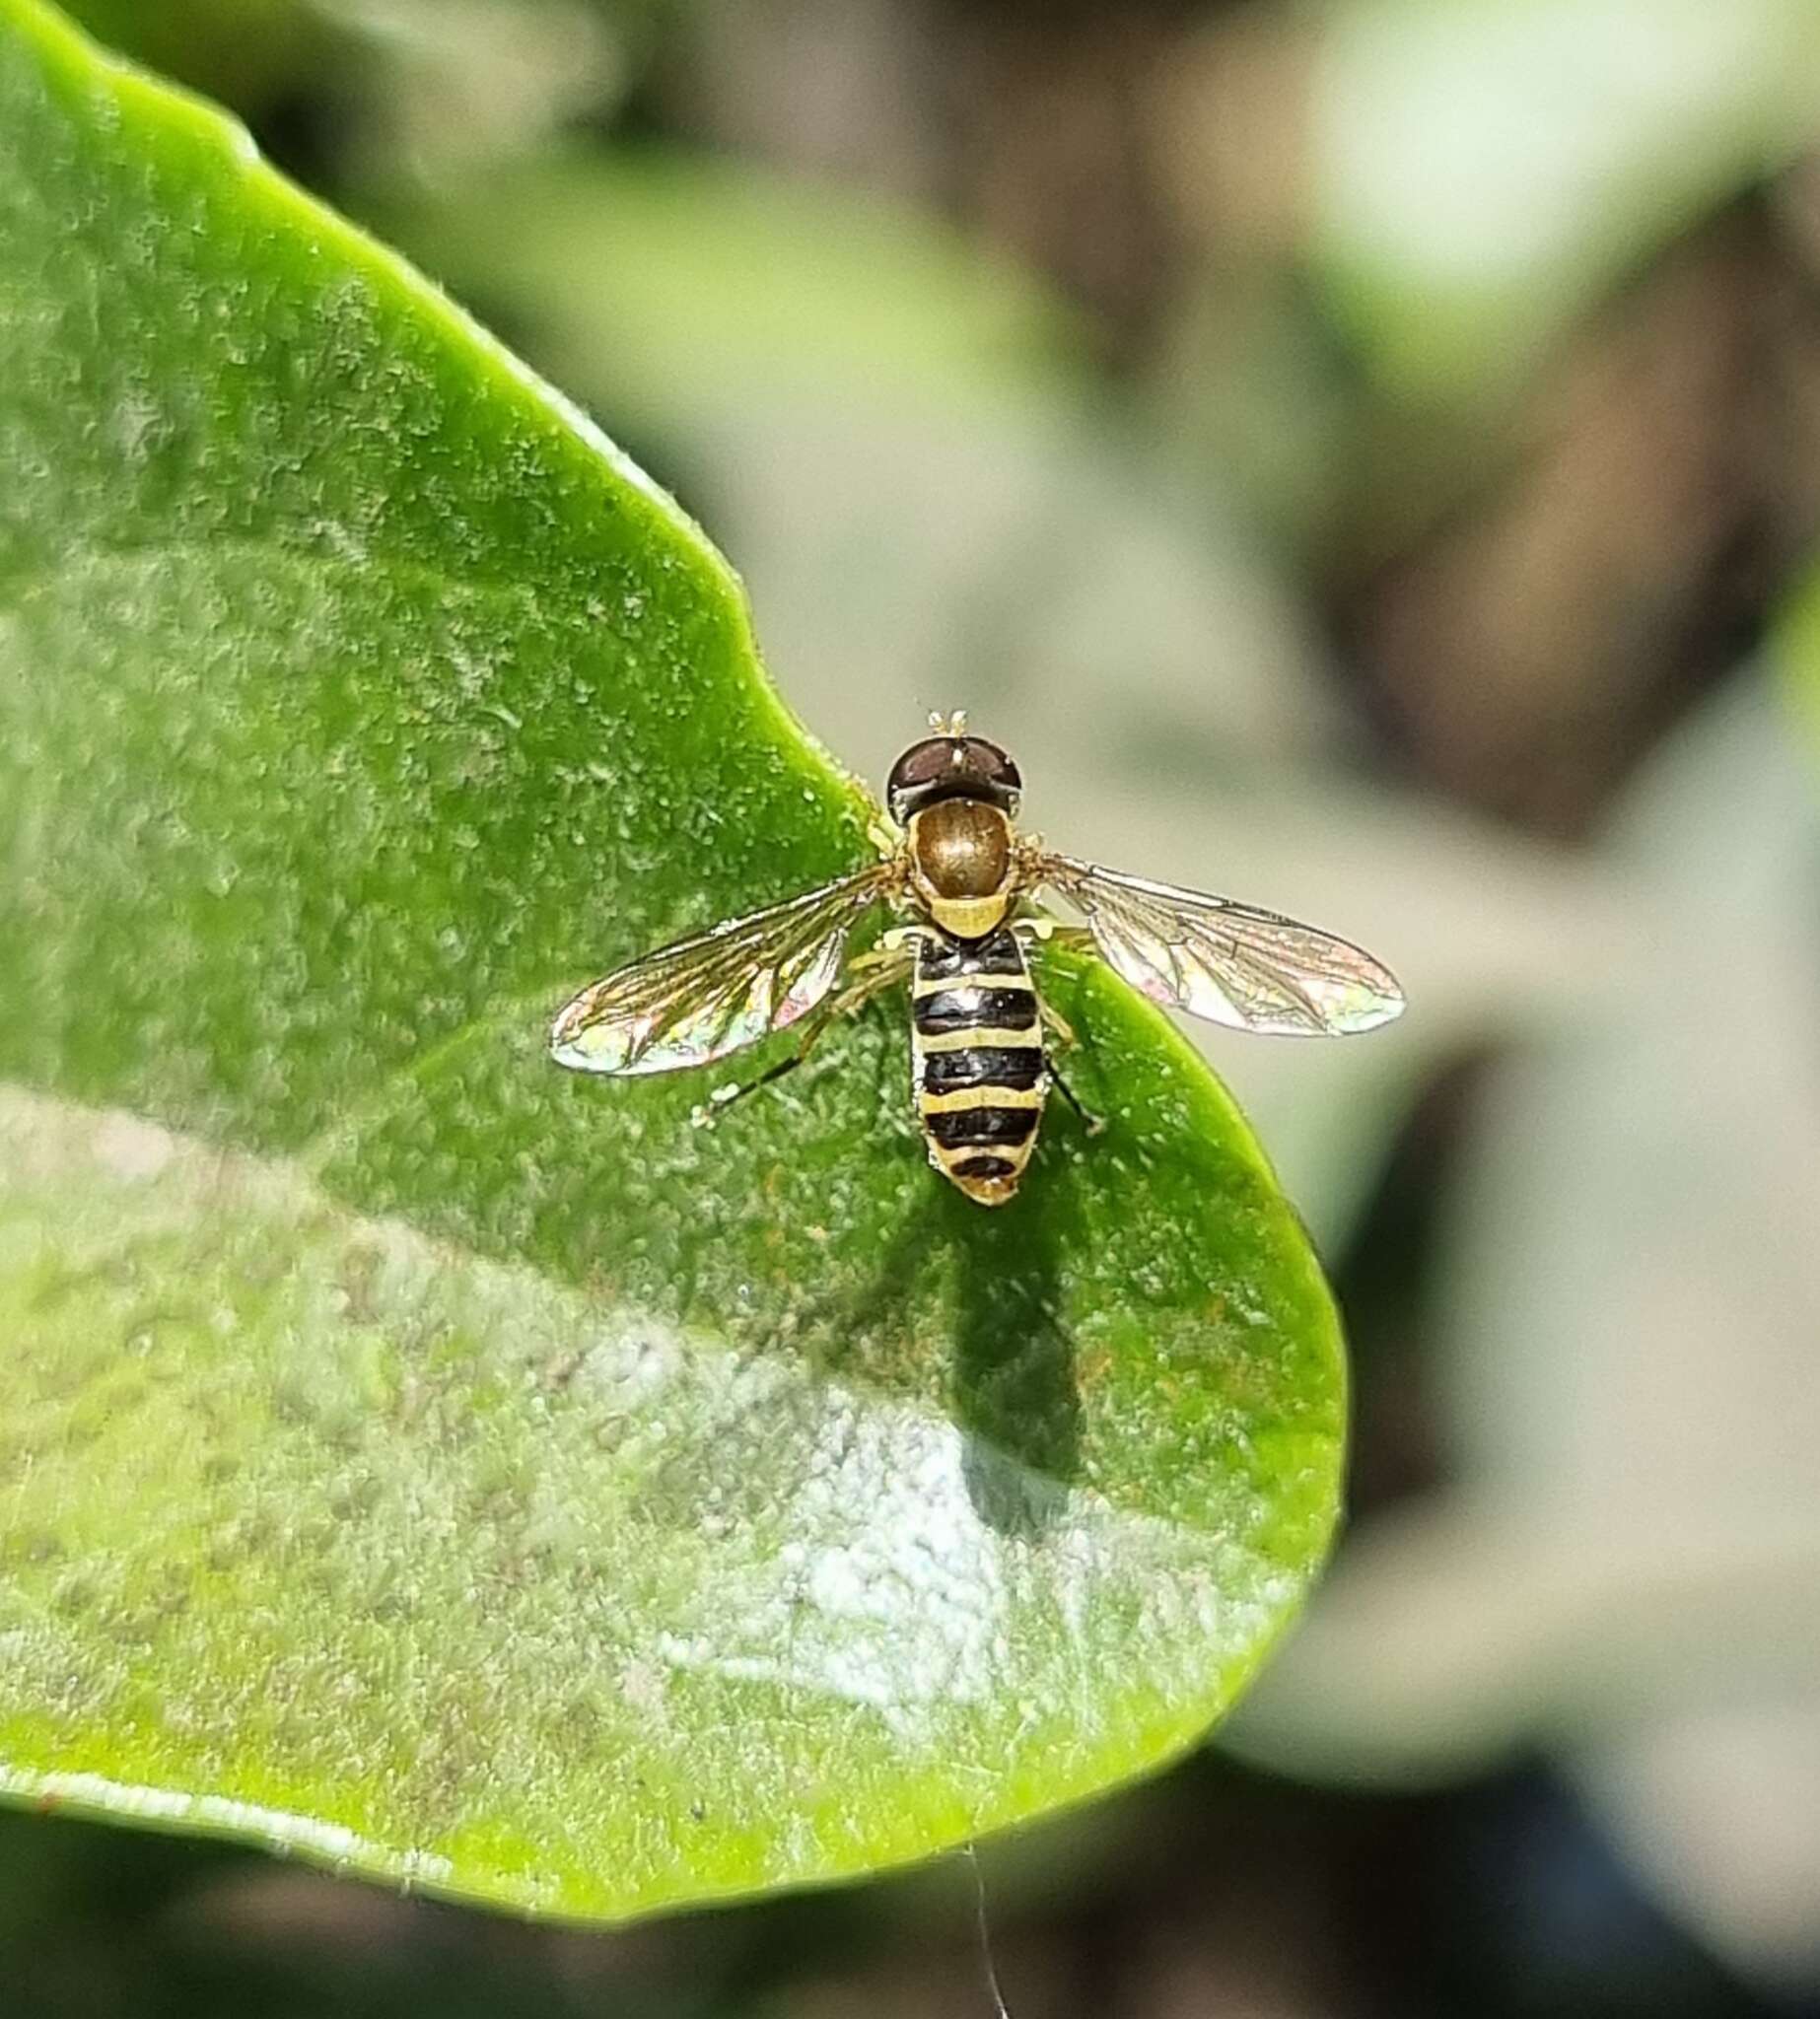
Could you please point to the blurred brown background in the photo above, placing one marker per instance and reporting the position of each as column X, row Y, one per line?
column 1365, row 458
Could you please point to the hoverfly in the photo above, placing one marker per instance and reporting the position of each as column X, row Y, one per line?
column 980, row 1065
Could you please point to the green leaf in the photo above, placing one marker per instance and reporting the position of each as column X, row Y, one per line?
column 415, row 1455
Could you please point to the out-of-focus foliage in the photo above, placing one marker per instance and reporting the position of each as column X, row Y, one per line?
column 1482, row 171
column 1625, row 1567
column 248, row 52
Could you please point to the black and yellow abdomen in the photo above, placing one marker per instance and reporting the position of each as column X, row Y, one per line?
column 976, row 1050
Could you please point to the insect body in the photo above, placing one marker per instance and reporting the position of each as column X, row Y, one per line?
column 977, row 1063
column 956, row 862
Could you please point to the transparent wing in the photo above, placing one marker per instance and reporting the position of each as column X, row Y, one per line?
column 1250, row 970
column 702, row 998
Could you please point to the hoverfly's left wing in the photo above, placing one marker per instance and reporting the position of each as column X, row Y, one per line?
column 1250, row 970
column 698, row 999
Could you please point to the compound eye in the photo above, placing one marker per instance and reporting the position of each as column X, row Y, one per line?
column 924, row 763
column 988, row 762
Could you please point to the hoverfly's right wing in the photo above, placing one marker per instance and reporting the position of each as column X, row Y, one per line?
column 700, row 999
column 1250, row 970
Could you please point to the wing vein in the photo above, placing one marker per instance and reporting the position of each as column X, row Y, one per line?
column 711, row 994
column 1232, row 963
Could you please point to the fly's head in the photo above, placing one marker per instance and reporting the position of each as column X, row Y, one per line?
column 956, row 796
column 952, row 765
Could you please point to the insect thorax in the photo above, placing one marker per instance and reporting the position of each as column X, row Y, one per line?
column 962, row 866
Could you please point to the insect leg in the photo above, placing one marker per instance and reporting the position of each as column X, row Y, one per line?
column 737, row 1089
column 1057, row 1023
column 873, row 973
column 1065, row 1040
column 1089, row 1121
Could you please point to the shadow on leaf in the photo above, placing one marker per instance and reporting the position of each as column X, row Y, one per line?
column 1012, row 1383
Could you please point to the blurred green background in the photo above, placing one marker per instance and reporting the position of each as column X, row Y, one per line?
column 1366, row 458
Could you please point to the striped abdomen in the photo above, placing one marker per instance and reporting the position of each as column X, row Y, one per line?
column 977, row 1068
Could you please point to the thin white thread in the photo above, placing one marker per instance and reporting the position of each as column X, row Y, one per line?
column 1000, row 2009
